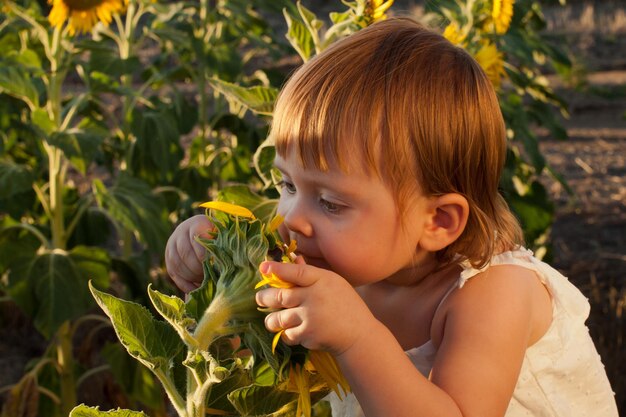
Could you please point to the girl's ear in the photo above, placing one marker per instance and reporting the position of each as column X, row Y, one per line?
column 447, row 219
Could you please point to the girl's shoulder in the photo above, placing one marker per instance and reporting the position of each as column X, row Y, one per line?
column 510, row 289
column 518, row 269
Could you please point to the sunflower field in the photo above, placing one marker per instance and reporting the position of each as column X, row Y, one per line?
column 117, row 117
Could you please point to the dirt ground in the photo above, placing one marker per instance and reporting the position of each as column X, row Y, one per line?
column 589, row 232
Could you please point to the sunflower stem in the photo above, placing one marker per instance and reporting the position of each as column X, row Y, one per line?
column 56, row 160
column 212, row 322
column 66, row 364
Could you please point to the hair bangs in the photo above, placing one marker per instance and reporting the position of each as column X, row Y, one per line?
column 327, row 115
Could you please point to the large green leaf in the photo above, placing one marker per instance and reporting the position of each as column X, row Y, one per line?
column 259, row 99
column 153, row 343
column 132, row 204
column 156, row 153
column 53, row 274
column 85, row 411
column 14, row 179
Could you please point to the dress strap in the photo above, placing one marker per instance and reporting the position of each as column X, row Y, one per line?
column 453, row 287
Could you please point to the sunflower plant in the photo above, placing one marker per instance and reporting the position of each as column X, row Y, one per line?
column 212, row 353
column 505, row 37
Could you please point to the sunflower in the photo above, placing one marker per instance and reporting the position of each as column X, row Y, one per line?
column 82, row 15
column 501, row 13
column 454, row 34
column 375, row 9
column 490, row 59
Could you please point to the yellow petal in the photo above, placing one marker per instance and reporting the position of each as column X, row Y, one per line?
column 273, row 281
column 300, row 379
column 276, row 221
column 233, row 209
column 276, row 339
column 326, row 365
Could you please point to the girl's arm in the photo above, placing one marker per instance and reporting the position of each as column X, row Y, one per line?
column 486, row 328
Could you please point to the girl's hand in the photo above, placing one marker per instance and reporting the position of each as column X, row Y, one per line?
column 322, row 311
column 184, row 256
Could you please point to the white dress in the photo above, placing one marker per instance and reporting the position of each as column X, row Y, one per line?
column 562, row 374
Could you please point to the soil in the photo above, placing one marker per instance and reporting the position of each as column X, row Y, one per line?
column 589, row 232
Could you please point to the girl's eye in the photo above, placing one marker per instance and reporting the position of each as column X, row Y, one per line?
column 286, row 186
column 330, row 207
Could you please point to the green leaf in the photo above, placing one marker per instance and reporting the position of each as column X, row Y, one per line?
column 299, row 36
column 264, row 161
column 262, row 207
column 14, row 179
column 79, row 146
column 534, row 209
column 85, row 411
column 15, row 81
column 310, row 19
column 18, row 247
column 257, row 400
column 258, row 99
column 156, row 152
column 53, row 274
column 152, row 342
column 173, row 310
column 42, row 120
column 132, row 204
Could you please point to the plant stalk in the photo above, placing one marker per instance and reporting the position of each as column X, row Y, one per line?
column 56, row 160
column 65, row 361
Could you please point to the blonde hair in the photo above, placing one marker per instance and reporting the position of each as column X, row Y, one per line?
column 415, row 110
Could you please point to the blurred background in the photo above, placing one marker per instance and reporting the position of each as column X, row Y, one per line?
column 118, row 117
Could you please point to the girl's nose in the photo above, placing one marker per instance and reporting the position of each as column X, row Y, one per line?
column 296, row 219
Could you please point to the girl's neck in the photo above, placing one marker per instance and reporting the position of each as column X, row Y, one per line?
column 421, row 270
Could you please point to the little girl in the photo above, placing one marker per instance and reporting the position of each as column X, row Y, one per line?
column 411, row 272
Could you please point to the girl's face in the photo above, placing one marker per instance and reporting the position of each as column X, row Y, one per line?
column 348, row 223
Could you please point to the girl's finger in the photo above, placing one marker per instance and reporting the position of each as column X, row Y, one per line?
column 279, row 298
column 282, row 320
column 299, row 274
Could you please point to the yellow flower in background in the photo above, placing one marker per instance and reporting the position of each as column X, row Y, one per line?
column 233, row 209
column 490, row 59
column 501, row 13
column 376, row 9
column 453, row 33
column 82, row 15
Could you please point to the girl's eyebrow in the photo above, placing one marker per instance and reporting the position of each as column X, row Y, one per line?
column 346, row 190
